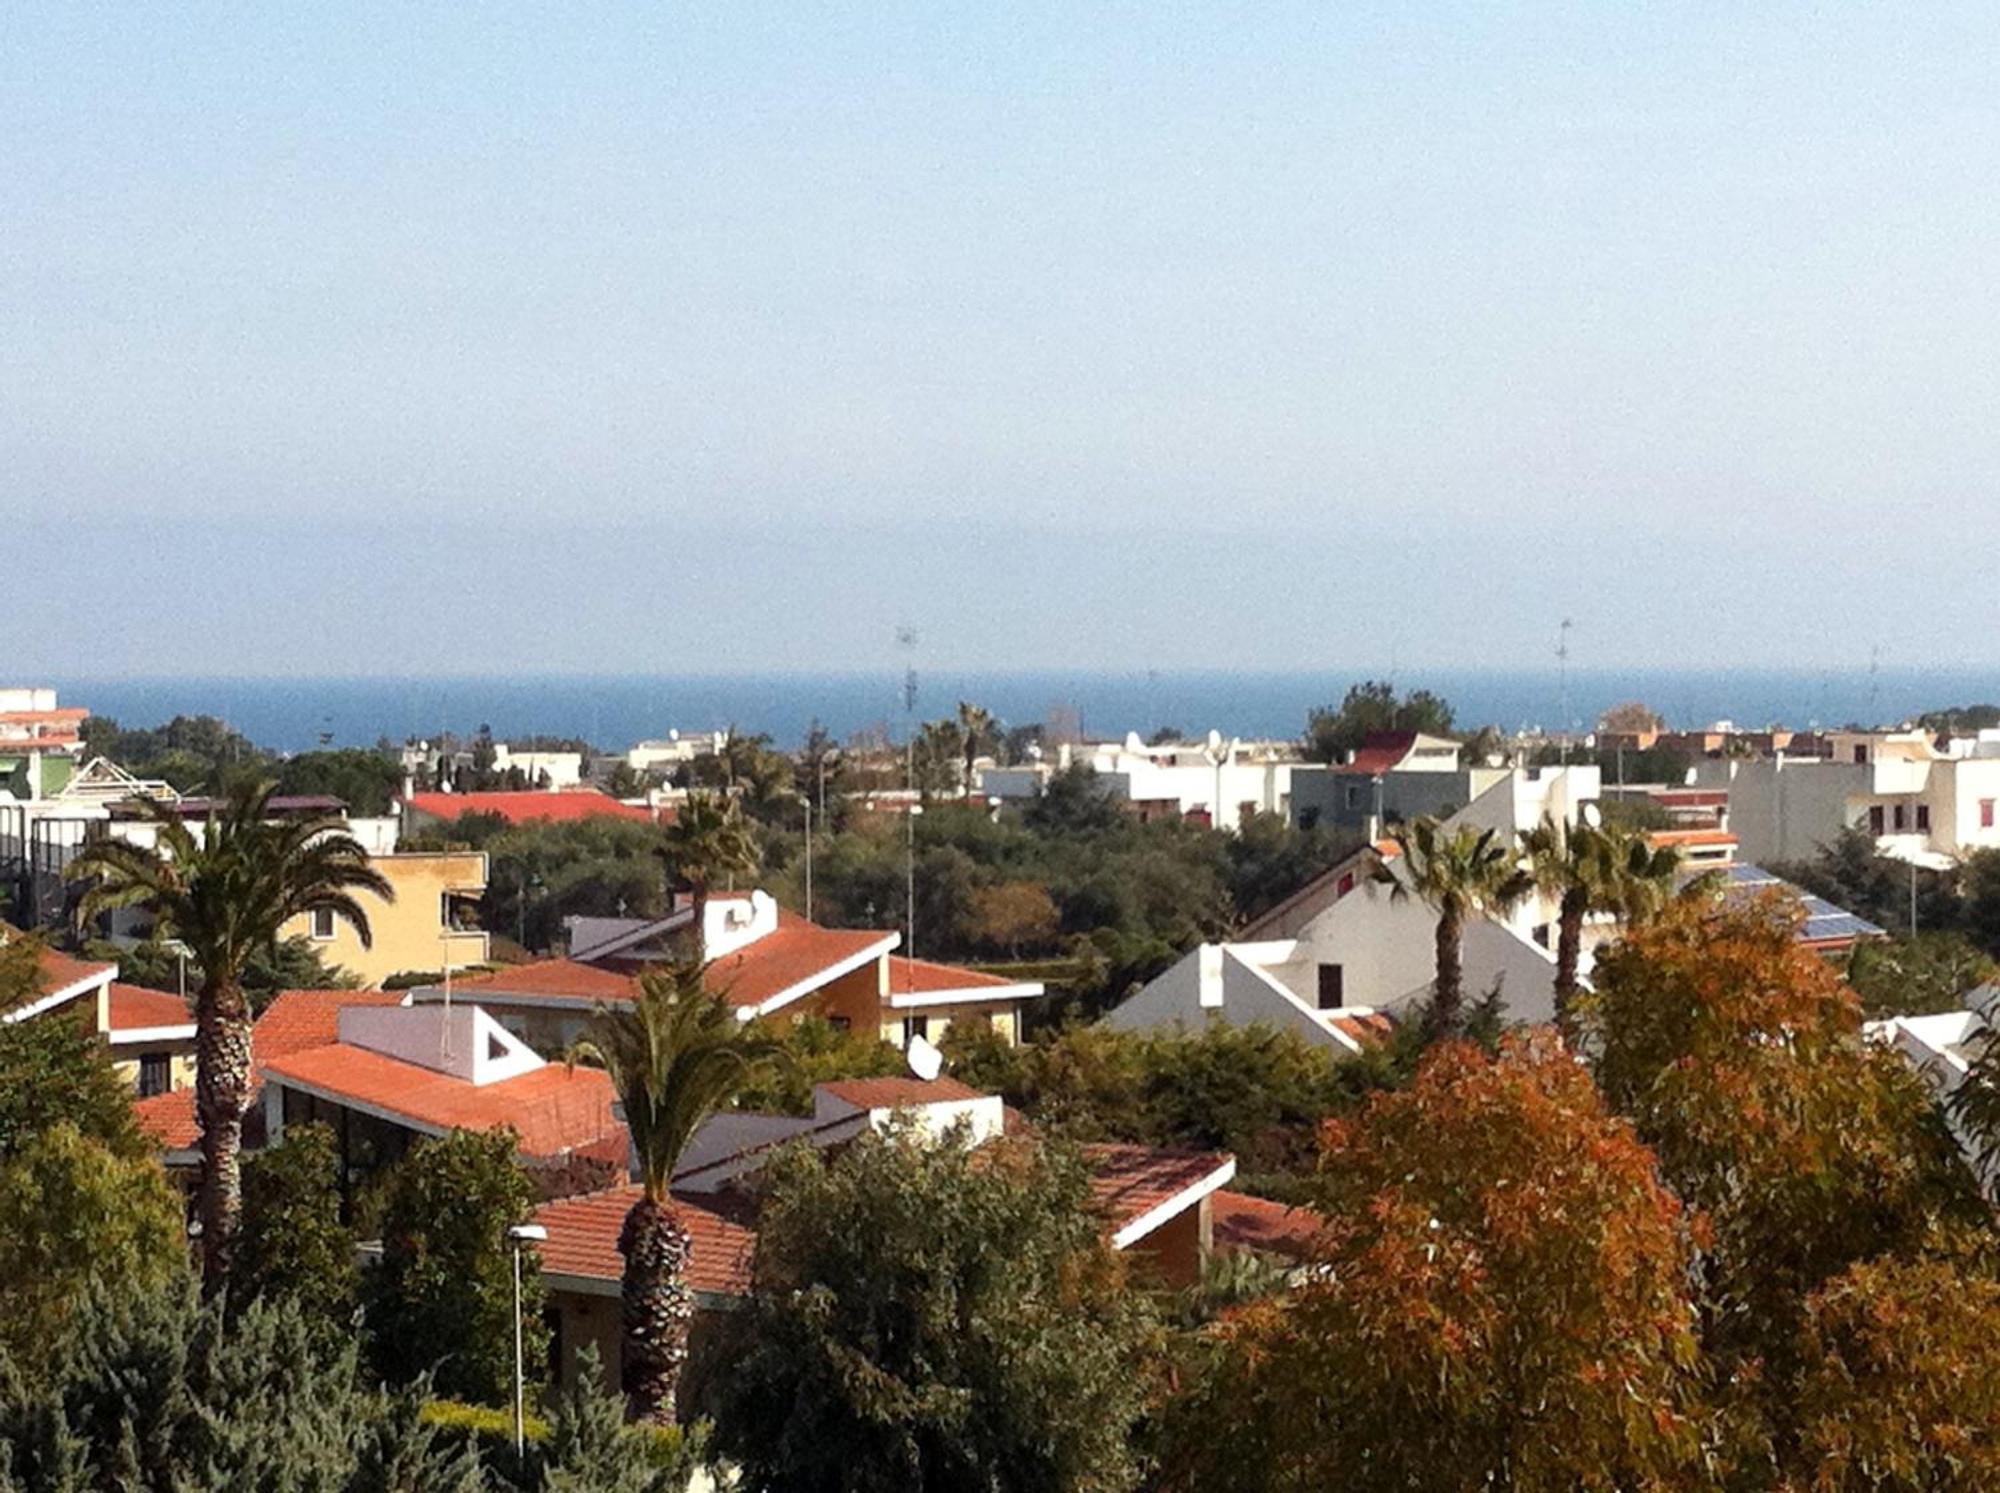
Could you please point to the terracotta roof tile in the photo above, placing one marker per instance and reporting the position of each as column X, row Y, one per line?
column 1371, row 1030
column 555, row 1108
column 890, row 1093
column 60, row 971
column 563, row 979
column 583, row 1240
column 168, row 1120
column 1128, row 1182
column 796, row 953
column 528, row 805
column 300, row 1019
column 921, row 977
column 134, row 1008
column 1242, row 1222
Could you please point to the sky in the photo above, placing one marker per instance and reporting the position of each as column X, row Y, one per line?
column 404, row 339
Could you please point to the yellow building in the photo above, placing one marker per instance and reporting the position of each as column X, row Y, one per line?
column 425, row 930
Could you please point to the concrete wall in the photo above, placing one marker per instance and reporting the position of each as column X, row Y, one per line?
column 1173, row 1000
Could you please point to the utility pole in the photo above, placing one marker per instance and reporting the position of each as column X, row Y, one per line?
column 1562, row 684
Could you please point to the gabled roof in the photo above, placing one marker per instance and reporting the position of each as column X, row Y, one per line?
column 555, row 979
column 583, row 1241
column 63, row 979
column 1138, row 1188
column 794, row 960
column 1379, row 752
column 135, row 1010
column 920, row 982
column 555, row 1108
column 168, row 1120
column 300, row 1019
column 527, row 806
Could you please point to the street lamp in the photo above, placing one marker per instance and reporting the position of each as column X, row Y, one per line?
column 806, row 799
column 518, row 1235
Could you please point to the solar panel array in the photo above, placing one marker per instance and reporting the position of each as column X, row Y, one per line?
column 1824, row 921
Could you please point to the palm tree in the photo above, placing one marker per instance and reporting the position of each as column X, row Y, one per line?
column 977, row 729
column 706, row 842
column 1595, row 868
column 676, row 1054
column 226, row 894
column 1459, row 872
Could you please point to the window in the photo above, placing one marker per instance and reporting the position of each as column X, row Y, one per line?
column 1901, row 816
column 1861, row 754
column 322, row 922
column 156, row 1074
column 1332, row 987
column 1875, row 820
column 1986, row 813
column 840, row 1023
column 1353, row 795
column 1924, row 818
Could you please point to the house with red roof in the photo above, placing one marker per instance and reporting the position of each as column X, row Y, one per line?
column 430, row 810
column 1157, row 1205
column 150, row 1033
column 771, row 963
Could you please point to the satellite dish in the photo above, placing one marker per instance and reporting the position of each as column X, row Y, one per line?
column 925, row 1060
column 1593, row 816
column 1215, row 741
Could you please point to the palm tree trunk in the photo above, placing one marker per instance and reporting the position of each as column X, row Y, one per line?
column 221, row 1097
column 1569, row 948
column 658, row 1308
column 1448, row 1000
column 698, row 929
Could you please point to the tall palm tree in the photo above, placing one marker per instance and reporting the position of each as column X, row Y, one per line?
column 1459, row 872
column 707, row 842
column 1591, row 868
column 226, row 894
column 676, row 1054
column 977, row 730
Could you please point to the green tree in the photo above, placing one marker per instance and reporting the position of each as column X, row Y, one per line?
column 1001, row 1350
column 442, row 1298
column 225, row 894
column 1072, row 802
column 367, row 782
column 189, row 753
column 978, row 735
column 74, row 1215
column 676, row 1055
column 1591, row 869
column 54, row 1070
column 293, row 1243
column 154, row 1391
column 1371, row 707
column 1459, row 872
column 1500, row 1301
column 707, row 842
column 590, row 1448
column 1269, row 860
column 1918, row 976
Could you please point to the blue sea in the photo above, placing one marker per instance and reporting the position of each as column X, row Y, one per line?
column 612, row 712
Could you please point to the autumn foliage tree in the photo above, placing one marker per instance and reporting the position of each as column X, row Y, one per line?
column 1737, row 1054
column 1501, row 1303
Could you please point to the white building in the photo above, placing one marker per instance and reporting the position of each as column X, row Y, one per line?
column 1943, row 1048
column 1916, row 802
column 1216, row 781
column 675, row 750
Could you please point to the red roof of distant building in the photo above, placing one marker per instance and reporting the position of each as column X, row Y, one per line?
column 528, row 805
column 563, row 979
column 298, row 1020
column 1379, row 752
column 893, row 1093
column 60, row 972
column 1258, row 1224
column 796, row 953
column 921, row 977
column 136, row 1009
column 36, row 717
column 554, row 1109
column 583, row 1240
column 1129, row 1182
column 1370, row 1031
column 168, row 1120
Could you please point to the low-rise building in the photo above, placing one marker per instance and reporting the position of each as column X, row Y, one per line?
column 428, row 925
column 150, row 1033
column 1215, row 782
column 516, row 806
column 41, row 742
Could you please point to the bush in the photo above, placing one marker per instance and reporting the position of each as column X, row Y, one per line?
column 293, row 1244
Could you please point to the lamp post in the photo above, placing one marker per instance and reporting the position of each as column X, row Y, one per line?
column 806, row 799
column 518, row 1235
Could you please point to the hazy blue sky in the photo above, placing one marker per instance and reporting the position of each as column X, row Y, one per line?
column 365, row 339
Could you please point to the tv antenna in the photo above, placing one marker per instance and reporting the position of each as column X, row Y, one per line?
column 1562, row 684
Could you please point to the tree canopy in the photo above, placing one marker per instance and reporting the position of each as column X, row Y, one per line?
column 1369, row 707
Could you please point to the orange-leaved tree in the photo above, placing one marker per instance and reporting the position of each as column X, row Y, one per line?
column 1500, row 1300
column 1737, row 1053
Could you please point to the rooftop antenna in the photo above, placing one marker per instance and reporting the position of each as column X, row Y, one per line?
column 906, row 639
column 1562, row 684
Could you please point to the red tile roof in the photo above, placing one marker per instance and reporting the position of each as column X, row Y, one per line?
column 1242, row 1222
column 1128, row 1182
column 796, row 953
column 555, row 1108
column 528, row 805
column 1379, row 752
column 137, row 1009
column 563, row 979
column 1370, row 1031
column 583, row 1240
column 890, row 1093
column 297, row 1020
column 921, row 977
column 168, row 1120
column 60, row 971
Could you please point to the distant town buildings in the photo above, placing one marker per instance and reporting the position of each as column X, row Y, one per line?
column 1215, row 782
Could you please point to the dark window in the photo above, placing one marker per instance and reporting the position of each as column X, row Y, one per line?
column 1986, row 813
column 1861, row 754
column 1875, row 818
column 1924, row 817
column 839, row 1023
column 1331, row 988
column 322, row 922
column 156, row 1074
column 1902, row 817
column 1353, row 795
